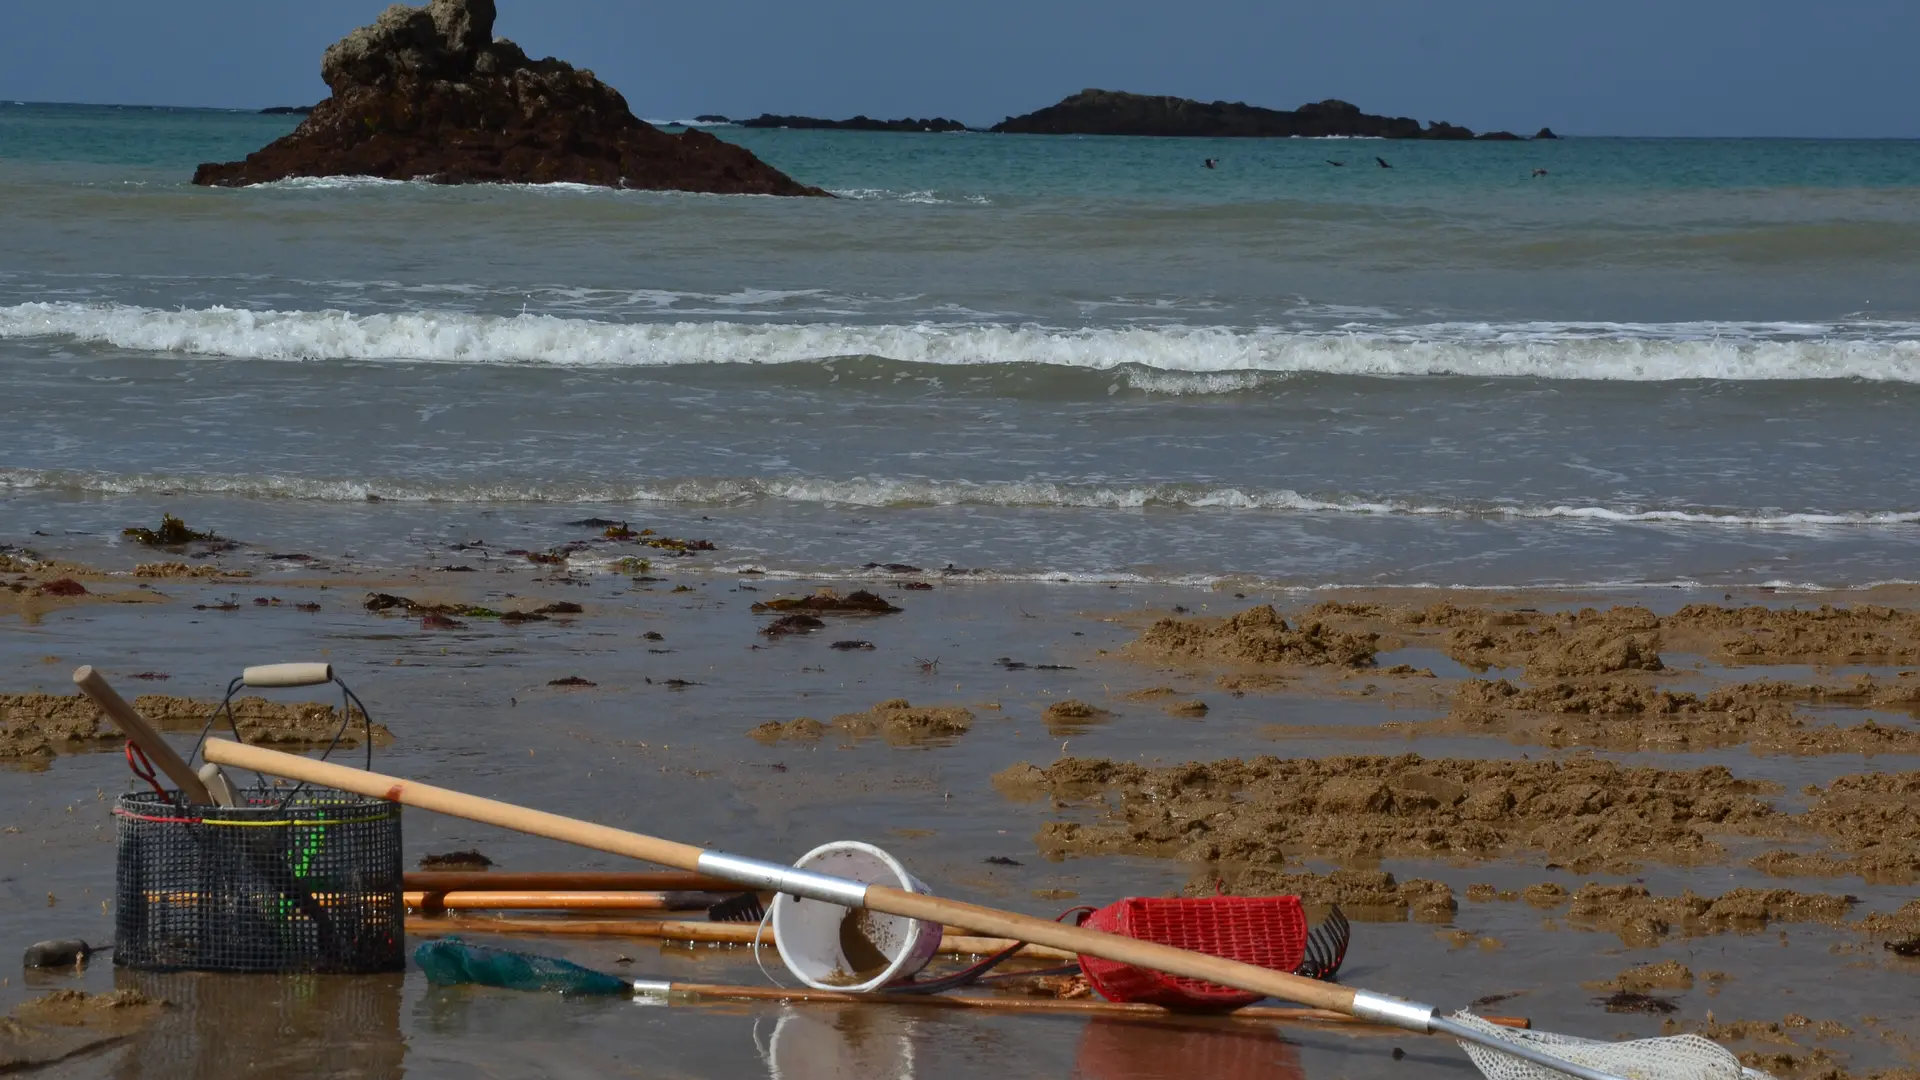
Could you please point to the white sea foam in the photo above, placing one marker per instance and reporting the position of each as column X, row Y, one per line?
column 1610, row 352
column 885, row 492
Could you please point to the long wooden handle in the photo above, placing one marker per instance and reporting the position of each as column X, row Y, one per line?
column 564, row 880
column 1077, row 1006
column 421, row 900
column 671, row 930
column 454, row 803
column 891, row 901
column 136, row 728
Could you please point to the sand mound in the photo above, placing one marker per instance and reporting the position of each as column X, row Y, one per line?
column 41, row 725
column 1366, row 895
column 1255, row 636
column 1643, row 919
column 897, row 721
column 1875, row 817
column 1551, row 652
column 1072, row 717
column 1827, row 634
column 1586, row 813
column 1665, row 975
column 1621, row 715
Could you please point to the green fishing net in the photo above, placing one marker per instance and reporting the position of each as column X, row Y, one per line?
column 452, row 962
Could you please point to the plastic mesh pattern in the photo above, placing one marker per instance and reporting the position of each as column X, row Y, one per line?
column 1679, row 1057
column 311, row 884
column 1268, row 931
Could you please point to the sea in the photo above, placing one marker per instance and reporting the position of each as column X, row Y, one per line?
column 1581, row 363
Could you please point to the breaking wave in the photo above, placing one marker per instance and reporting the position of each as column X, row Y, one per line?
column 881, row 492
column 1888, row 352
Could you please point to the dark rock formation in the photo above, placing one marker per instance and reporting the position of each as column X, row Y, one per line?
column 1112, row 112
column 1545, row 133
column 711, row 118
column 429, row 93
column 858, row 123
column 1498, row 136
column 287, row 110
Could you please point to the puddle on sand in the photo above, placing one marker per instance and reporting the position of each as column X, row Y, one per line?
column 472, row 711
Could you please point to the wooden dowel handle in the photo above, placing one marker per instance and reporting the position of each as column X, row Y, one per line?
column 268, row 676
column 569, row 880
column 881, row 898
column 542, row 901
column 706, row 933
column 143, row 735
column 453, row 803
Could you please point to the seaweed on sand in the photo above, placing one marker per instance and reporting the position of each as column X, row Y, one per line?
column 828, row 602
column 172, row 533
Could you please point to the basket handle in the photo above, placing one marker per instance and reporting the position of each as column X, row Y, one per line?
column 279, row 675
column 142, row 733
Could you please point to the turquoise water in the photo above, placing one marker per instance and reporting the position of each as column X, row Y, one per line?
column 1084, row 357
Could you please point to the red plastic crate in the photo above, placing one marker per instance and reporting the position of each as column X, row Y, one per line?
column 1268, row 931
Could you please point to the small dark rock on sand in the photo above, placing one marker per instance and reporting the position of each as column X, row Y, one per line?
column 851, row 645
column 455, row 860
column 571, row 680
column 1628, row 1001
column 791, row 624
column 62, row 953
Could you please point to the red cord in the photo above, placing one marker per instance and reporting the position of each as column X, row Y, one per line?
column 142, row 768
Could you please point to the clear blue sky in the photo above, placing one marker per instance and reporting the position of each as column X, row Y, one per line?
column 1620, row 67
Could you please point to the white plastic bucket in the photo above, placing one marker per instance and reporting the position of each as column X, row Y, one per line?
column 809, row 932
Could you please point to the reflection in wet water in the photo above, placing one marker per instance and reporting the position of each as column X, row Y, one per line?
column 890, row 1043
column 855, row 1041
column 1129, row 1050
column 223, row 1027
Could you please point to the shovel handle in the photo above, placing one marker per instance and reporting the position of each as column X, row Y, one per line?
column 268, row 676
column 142, row 733
column 880, row 898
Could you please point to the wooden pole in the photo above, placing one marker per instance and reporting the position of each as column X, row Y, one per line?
column 881, row 898
column 547, row 901
column 565, row 880
column 136, row 728
column 704, row 933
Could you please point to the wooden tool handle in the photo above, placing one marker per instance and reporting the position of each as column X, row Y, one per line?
column 565, row 881
column 542, row 901
column 137, row 729
column 272, row 675
column 879, row 898
column 454, row 804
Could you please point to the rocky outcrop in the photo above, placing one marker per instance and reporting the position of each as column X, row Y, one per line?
column 429, row 93
column 287, row 110
column 1113, row 112
column 858, row 123
column 1545, row 133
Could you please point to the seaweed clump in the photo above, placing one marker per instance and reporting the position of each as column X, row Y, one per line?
column 172, row 532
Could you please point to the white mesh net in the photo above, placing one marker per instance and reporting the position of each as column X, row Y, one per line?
column 1678, row 1057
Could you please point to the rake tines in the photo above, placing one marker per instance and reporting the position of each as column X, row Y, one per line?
column 1326, row 947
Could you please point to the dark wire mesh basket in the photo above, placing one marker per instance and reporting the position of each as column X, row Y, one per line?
column 307, row 881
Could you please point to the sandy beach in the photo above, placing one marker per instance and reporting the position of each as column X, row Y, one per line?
column 1529, row 798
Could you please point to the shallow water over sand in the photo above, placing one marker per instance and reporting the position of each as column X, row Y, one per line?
column 472, row 710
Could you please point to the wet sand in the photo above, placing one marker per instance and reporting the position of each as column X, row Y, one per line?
column 1679, row 814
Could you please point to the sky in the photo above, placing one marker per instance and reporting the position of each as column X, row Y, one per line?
column 1621, row 67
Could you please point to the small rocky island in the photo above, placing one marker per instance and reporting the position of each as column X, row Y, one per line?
column 858, row 123
column 1114, row 112
column 429, row 93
